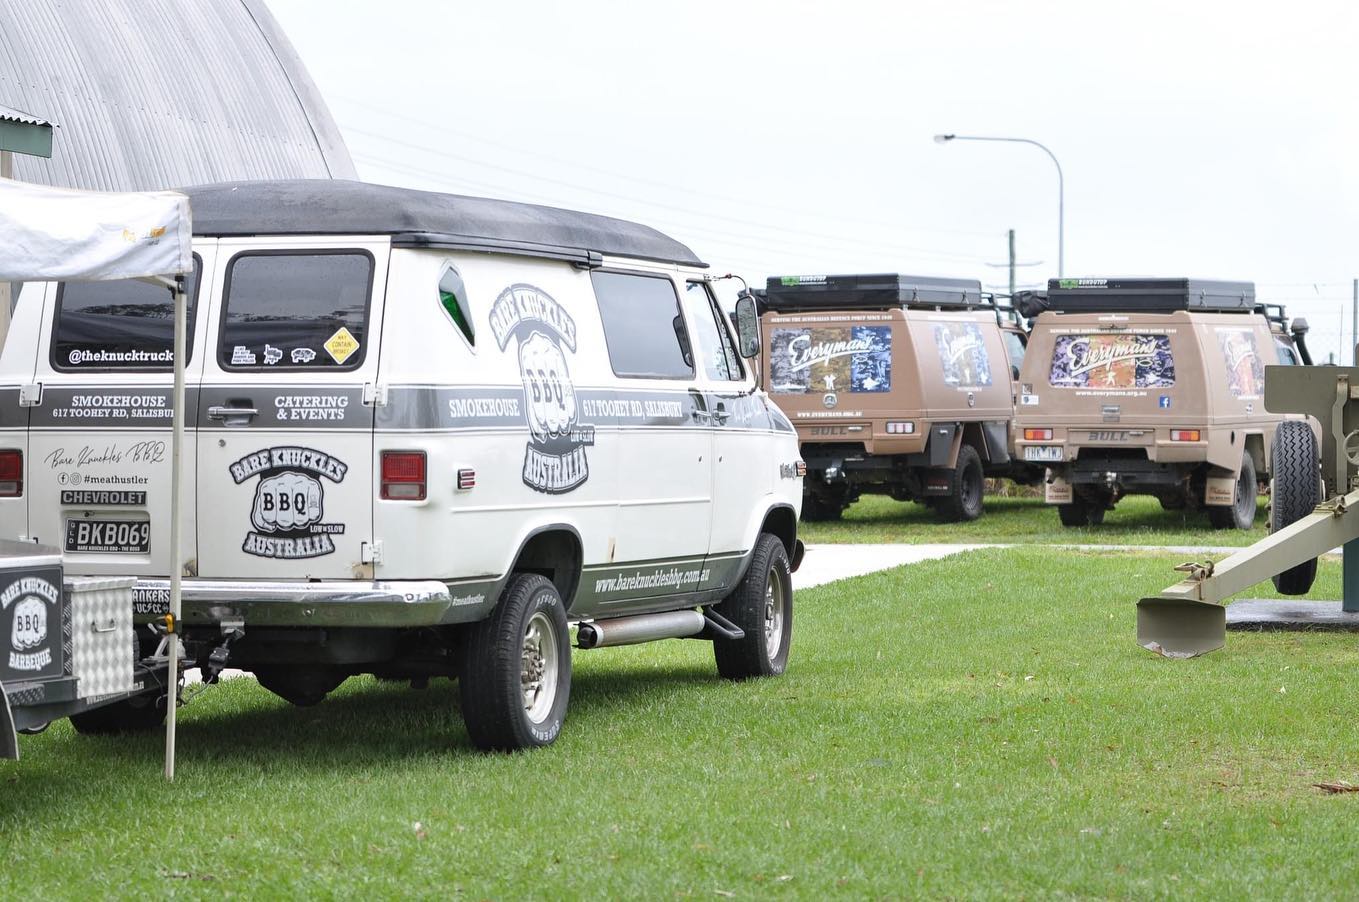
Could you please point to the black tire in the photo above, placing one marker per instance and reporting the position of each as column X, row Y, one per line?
column 140, row 714
column 1241, row 513
column 816, row 509
column 1084, row 510
column 966, row 488
column 762, row 606
column 1295, row 492
column 525, row 635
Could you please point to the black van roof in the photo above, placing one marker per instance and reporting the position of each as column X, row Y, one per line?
column 423, row 219
column 1149, row 295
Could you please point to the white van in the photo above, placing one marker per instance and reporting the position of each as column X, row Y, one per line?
column 424, row 433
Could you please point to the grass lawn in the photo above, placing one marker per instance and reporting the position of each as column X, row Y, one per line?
column 1137, row 520
column 982, row 725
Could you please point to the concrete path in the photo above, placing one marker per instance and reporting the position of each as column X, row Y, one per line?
column 827, row 563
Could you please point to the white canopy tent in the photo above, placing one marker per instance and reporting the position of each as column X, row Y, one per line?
column 51, row 234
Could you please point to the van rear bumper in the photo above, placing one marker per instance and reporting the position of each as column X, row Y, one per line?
column 370, row 603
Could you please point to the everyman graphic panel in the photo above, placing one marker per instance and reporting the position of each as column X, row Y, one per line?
column 831, row 358
column 1245, row 371
column 962, row 354
column 1112, row 361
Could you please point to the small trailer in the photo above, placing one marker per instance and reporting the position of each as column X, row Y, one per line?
column 67, row 647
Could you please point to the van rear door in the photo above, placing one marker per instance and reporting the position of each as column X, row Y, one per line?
column 285, row 416
column 100, row 435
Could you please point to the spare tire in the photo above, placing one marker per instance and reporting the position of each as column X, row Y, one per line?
column 1295, row 493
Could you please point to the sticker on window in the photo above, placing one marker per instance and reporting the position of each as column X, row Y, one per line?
column 341, row 345
column 962, row 354
column 1245, row 372
column 1106, row 361
column 832, row 359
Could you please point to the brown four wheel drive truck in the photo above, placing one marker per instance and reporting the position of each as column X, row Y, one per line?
column 1152, row 387
column 897, row 385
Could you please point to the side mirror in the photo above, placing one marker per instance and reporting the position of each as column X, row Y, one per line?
column 747, row 326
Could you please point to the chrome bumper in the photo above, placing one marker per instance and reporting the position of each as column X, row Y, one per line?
column 397, row 603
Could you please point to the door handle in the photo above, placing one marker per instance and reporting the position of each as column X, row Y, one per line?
column 720, row 415
column 112, row 625
column 221, row 413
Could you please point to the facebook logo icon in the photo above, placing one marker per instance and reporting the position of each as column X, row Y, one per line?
column 1165, row 402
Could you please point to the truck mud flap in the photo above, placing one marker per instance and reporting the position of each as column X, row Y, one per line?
column 1180, row 627
column 9, row 739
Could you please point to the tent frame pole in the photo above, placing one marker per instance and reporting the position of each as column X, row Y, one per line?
column 176, row 550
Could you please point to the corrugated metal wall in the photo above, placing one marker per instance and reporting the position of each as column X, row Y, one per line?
column 163, row 93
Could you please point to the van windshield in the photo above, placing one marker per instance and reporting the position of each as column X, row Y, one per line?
column 124, row 324
column 1112, row 361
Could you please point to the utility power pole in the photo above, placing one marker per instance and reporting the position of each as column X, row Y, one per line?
column 1354, row 322
column 1012, row 267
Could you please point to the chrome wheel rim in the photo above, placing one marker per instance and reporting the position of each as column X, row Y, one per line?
column 538, row 673
column 773, row 614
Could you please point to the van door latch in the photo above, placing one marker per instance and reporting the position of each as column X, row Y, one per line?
column 371, row 552
column 30, row 395
column 374, row 395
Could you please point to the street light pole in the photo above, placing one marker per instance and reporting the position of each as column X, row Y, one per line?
column 1061, row 187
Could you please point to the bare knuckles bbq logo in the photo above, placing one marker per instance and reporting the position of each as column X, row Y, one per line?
column 290, row 502
column 554, row 459
column 29, row 598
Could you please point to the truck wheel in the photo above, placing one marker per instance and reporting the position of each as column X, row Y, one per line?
column 816, row 509
column 967, row 485
column 139, row 714
column 1241, row 513
column 515, row 673
column 1295, row 492
column 1083, row 510
column 762, row 606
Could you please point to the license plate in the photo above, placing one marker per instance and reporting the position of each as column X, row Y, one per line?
column 111, row 536
column 1046, row 453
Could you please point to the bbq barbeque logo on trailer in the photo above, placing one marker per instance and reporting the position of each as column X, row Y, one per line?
column 29, row 596
column 554, row 459
column 289, row 502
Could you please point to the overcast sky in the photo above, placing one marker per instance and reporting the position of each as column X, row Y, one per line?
column 1211, row 139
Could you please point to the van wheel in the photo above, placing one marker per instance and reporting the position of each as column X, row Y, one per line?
column 1295, row 492
column 1241, row 513
column 140, row 714
column 762, row 606
column 967, row 485
column 816, row 509
column 515, row 673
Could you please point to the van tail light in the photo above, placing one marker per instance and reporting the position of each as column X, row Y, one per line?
column 11, row 473
column 900, row 427
column 1037, row 435
column 403, row 476
column 1184, row 435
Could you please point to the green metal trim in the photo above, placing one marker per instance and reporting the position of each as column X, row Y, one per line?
column 21, row 137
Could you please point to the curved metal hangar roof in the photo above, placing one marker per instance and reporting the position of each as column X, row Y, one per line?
column 154, row 93
column 423, row 219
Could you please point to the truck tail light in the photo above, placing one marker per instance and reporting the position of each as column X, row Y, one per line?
column 900, row 428
column 11, row 473
column 1184, row 435
column 403, row 475
column 1037, row 435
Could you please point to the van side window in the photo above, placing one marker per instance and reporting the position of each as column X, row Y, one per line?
column 1286, row 355
column 453, row 299
column 120, row 325
column 715, row 348
column 291, row 310
column 1014, row 347
column 643, row 326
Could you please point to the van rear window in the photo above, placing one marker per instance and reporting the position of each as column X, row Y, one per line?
column 1112, row 361
column 296, row 310
column 119, row 325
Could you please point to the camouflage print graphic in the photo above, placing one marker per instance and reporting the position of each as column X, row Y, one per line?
column 1245, row 372
column 831, row 359
column 962, row 354
column 1112, row 361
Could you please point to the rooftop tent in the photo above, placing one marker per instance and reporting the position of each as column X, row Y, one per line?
column 50, row 234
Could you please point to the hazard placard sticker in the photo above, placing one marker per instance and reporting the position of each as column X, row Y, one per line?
column 341, row 346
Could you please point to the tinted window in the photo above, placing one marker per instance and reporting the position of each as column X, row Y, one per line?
column 303, row 311
column 1014, row 346
column 453, row 298
column 125, row 325
column 1286, row 355
column 643, row 326
column 715, row 349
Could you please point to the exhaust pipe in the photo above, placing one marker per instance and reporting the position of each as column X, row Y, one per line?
column 642, row 628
